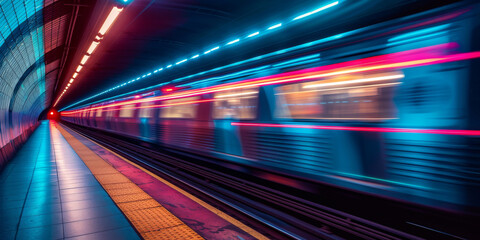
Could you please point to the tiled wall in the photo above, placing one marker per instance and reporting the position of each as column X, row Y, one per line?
column 22, row 69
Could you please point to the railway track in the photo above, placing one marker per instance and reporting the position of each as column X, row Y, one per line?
column 280, row 214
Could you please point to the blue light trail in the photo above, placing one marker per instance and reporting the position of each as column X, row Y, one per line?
column 276, row 26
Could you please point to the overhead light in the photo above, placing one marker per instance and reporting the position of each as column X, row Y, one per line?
column 84, row 59
column 110, row 20
column 213, row 49
column 275, row 26
column 68, row 85
column 114, row 13
column 79, row 68
column 234, row 41
column 71, row 80
column 92, row 47
column 184, row 60
column 75, row 75
column 253, row 34
column 316, row 10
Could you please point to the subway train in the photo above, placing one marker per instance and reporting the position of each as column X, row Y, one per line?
column 390, row 110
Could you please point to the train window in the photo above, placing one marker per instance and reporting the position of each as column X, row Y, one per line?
column 99, row 112
column 110, row 112
column 179, row 108
column 127, row 111
column 145, row 111
column 92, row 113
column 353, row 97
column 236, row 104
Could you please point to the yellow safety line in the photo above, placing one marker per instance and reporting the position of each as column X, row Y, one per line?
column 149, row 218
column 219, row 213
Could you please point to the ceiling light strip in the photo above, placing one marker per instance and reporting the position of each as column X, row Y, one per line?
column 112, row 16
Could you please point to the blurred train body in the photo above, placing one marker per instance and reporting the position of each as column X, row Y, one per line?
column 388, row 110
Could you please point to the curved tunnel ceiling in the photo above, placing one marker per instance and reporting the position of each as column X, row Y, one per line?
column 33, row 35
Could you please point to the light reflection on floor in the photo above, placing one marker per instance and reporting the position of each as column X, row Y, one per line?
column 47, row 192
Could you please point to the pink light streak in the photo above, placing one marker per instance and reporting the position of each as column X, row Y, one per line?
column 405, row 59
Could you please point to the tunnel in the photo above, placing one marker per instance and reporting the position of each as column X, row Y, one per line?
column 211, row 119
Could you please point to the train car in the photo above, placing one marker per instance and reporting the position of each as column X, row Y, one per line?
column 386, row 110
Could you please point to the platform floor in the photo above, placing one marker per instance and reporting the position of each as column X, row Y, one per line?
column 62, row 185
column 47, row 192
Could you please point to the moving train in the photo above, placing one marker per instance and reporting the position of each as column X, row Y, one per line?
column 389, row 109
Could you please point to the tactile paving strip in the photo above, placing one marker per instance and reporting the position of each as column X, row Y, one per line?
column 150, row 219
column 170, row 233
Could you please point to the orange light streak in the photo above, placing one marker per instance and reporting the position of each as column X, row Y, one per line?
column 382, row 62
column 140, row 107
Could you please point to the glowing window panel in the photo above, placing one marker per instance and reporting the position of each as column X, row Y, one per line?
column 127, row 111
column 178, row 110
column 344, row 97
column 236, row 104
column 145, row 110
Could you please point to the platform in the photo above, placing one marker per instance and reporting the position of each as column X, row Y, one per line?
column 47, row 192
column 62, row 185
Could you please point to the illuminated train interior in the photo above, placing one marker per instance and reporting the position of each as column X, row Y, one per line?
column 370, row 118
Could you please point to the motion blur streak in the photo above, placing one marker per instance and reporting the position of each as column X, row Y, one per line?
column 362, row 80
column 411, row 58
column 366, row 129
column 143, row 107
column 377, row 120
